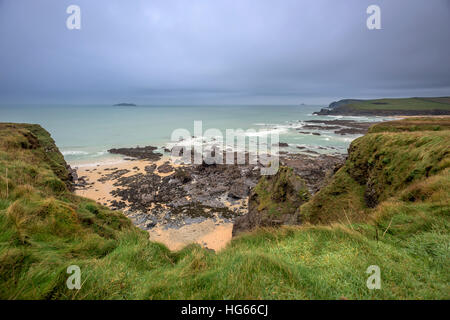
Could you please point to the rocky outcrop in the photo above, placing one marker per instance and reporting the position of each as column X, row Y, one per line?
column 283, row 144
column 341, row 127
column 275, row 199
column 146, row 153
column 315, row 171
column 239, row 189
column 185, row 194
column 165, row 168
column 274, row 202
column 380, row 165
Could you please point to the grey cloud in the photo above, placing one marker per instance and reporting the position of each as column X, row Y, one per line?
column 188, row 51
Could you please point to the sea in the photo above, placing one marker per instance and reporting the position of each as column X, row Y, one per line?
column 85, row 133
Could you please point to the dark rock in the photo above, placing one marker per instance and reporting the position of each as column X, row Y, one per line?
column 274, row 202
column 150, row 169
column 315, row 171
column 165, row 168
column 150, row 225
column 238, row 190
column 183, row 175
column 341, row 126
column 138, row 152
column 119, row 205
column 113, row 175
column 283, row 144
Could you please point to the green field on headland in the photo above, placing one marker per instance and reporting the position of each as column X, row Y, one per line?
column 400, row 106
column 403, row 104
column 389, row 206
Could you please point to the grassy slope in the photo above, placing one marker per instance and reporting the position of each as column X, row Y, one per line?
column 442, row 103
column 382, row 164
column 45, row 228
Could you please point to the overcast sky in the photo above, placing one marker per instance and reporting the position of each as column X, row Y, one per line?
column 222, row 51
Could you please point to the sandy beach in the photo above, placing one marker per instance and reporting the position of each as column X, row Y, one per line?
column 100, row 190
column 210, row 233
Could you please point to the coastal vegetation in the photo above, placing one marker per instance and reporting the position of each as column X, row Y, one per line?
column 389, row 205
column 399, row 106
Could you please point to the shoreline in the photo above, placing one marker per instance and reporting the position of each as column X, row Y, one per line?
column 198, row 203
column 213, row 233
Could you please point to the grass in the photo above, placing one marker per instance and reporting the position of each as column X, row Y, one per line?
column 412, row 124
column 44, row 228
column 380, row 165
column 442, row 103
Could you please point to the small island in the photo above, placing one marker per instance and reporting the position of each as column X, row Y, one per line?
column 123, row 104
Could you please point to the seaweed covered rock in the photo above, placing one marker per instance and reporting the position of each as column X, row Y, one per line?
column 146, row 153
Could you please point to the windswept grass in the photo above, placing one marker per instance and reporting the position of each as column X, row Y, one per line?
column 441, row 103
column 44, row 228
column 380, row 165
column 413, row 124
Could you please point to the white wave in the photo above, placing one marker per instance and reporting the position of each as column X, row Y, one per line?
column 345, row 139
column 262, row 133
column 265, row 124
column 196, row 141
column 336, row 117
column 73, row 152
column 297, row 125
column 98, row 163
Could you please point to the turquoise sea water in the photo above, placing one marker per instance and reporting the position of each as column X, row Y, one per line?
column 85, row 133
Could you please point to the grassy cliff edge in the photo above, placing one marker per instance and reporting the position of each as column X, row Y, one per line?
column 389, row 107
column 45, row 228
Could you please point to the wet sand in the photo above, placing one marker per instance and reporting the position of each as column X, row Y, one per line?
column 211, row 233
column 100, row 191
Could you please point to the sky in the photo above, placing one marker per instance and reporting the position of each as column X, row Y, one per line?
column 222, row 51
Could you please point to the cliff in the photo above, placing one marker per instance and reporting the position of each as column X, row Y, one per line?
column 44, row 227
column 389, row 107
column 274, row 201
column 383, row 164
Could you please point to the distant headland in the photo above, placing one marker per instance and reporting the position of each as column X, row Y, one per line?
column 389, row 107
